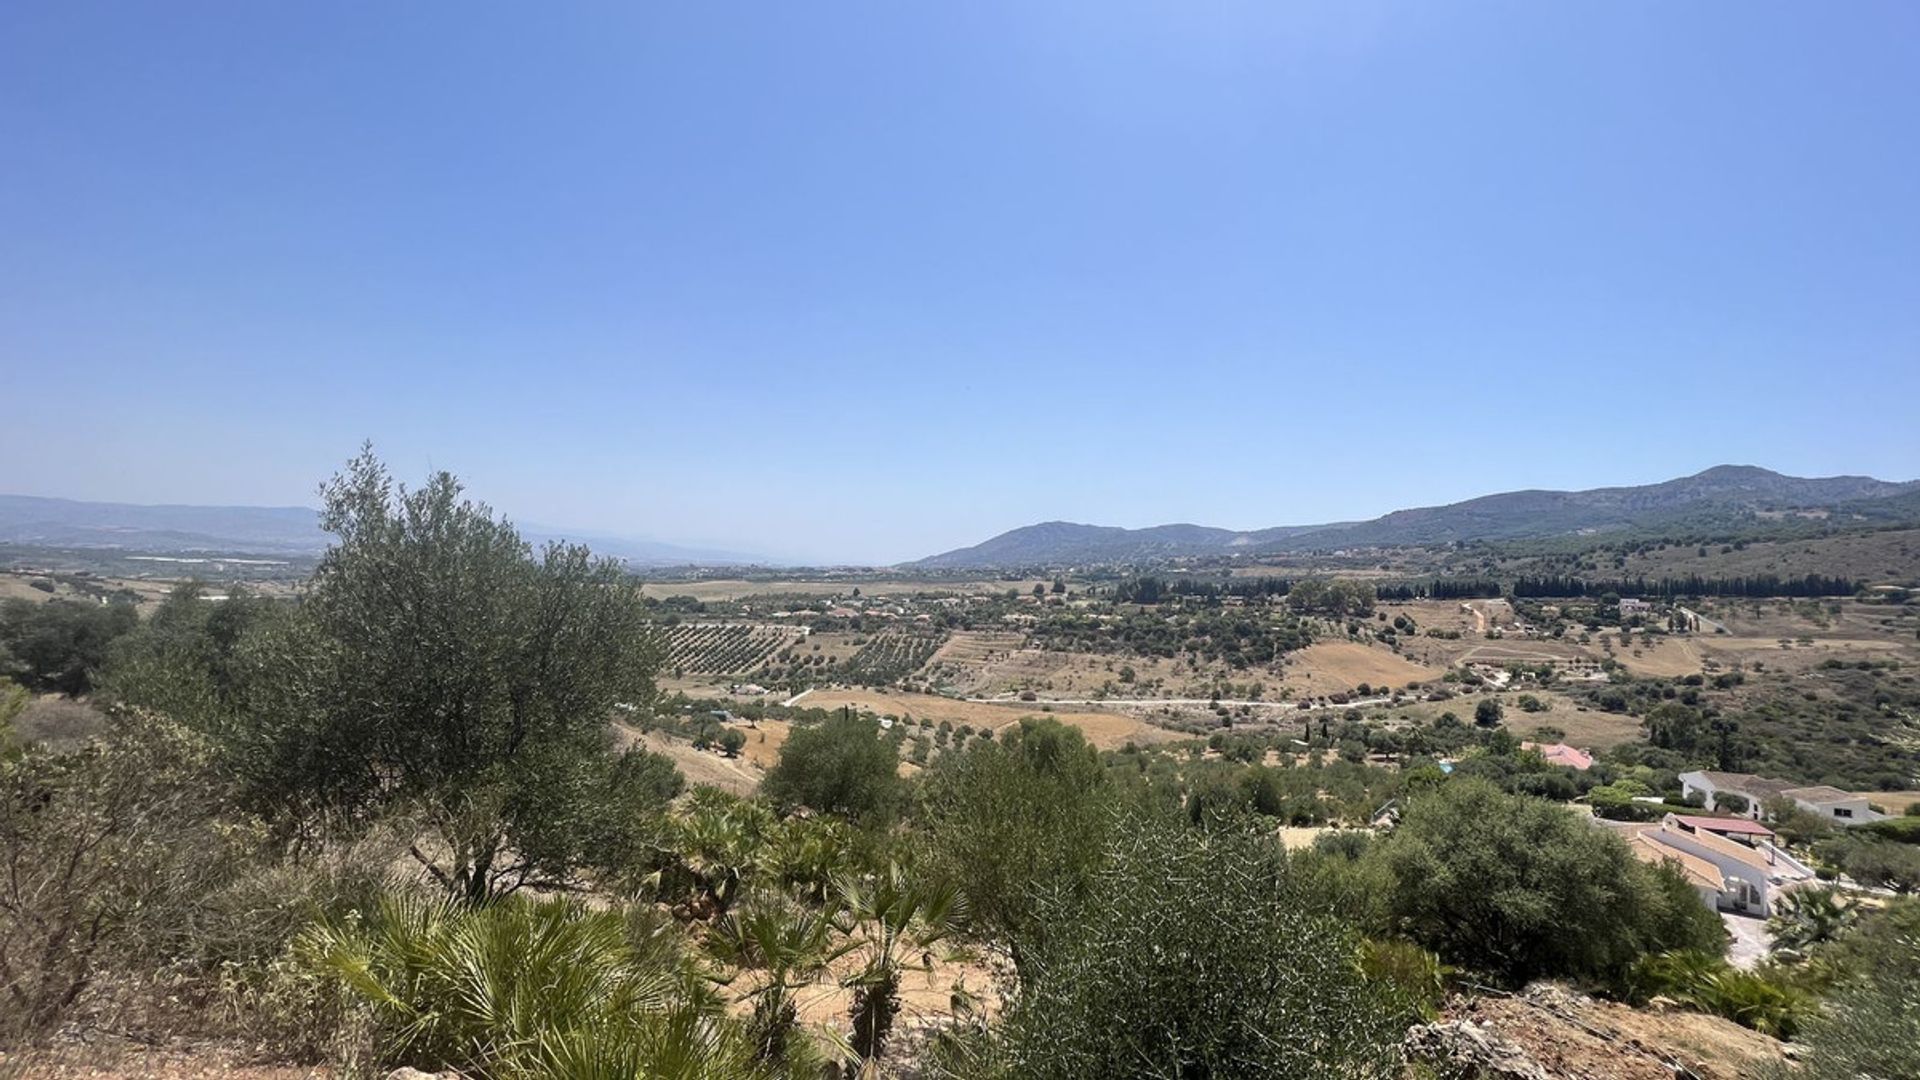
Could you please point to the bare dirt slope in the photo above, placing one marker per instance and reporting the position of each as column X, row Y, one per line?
column 708, row 768
column 1573, row 1037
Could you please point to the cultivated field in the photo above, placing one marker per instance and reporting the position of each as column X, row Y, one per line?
column 725, row 648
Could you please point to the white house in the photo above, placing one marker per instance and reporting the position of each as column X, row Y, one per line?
column 1841, row 807
column 1729, row 876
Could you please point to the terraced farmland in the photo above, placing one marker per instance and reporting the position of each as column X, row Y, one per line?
column 725, row 648
column 892, row 655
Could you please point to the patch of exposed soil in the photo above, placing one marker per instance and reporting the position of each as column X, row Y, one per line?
column 1574, row 1037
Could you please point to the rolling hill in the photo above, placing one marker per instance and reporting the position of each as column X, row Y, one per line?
column 1726, row 492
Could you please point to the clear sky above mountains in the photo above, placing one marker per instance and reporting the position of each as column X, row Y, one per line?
column 870, row 281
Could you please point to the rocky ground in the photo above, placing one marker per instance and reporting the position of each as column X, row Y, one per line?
column 1551, row 1033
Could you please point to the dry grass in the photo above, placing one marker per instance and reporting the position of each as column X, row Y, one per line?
column 1105, row 730
column 702, row 768
column 104, row 1055
column 1337, row 667
column 727, row 589
column 60, row 722
column 1664, row 658
column 1893, row 802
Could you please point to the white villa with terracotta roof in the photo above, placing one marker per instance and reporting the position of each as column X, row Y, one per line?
column 1840, row 807
column 1561, row 754
column 1729, row 874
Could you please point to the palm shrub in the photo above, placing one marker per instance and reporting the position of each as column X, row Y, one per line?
column 1804, row 918
column 1869, row 1027
column 893, row 920
column 713, row 849
column 1710, row 984
column 522, row 988
column 785, row 946
column 804, row 854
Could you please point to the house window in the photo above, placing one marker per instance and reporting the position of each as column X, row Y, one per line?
column 1842, row 811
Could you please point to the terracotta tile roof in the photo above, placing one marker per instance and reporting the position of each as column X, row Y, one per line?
column 1697, row 870
column 1738, row 852
column 1743, row 826
column 1562, row 754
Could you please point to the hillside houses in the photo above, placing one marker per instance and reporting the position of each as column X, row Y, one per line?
column 1840, row 807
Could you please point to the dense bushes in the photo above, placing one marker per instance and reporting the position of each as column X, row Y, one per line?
column 841, row 766
column 103, row 853
column 1196, row 954
column 1519, row 888
column 58, row 646
column 1015, row 821
column 1710, row 984
column 1869, row 1025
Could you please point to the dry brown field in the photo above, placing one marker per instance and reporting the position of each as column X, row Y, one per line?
column 724, row 589
column 985, row 663
column 1337, row 667
column 1104, row 730
column 1894, row 802
column 738, row 776
column 1592, row 729
column 1661, row 657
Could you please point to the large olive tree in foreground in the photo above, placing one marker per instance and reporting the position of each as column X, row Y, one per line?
column 440, row 665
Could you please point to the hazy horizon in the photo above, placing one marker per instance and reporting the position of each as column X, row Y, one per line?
column 863, row 284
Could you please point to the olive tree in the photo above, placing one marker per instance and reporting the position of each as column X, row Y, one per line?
column 440, row 665
column 1518, row 887
column 840, row 766
column 1017, row 821
column 1198, row 954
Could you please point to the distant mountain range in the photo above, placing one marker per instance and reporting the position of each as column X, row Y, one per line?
column 264, row 530
column 1726, row 491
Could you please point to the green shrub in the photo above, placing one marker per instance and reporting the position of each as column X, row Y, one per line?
column 1520, row 888
column 841, row 766
column 1709, row 984
column 1196, row 955
column 1414, row 973
column 1904, row 829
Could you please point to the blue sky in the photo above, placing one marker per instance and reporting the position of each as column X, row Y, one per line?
column 868, row 281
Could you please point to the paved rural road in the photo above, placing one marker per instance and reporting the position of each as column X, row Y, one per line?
column 1010, row 700
column 1751, row 942
column 795, row 699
